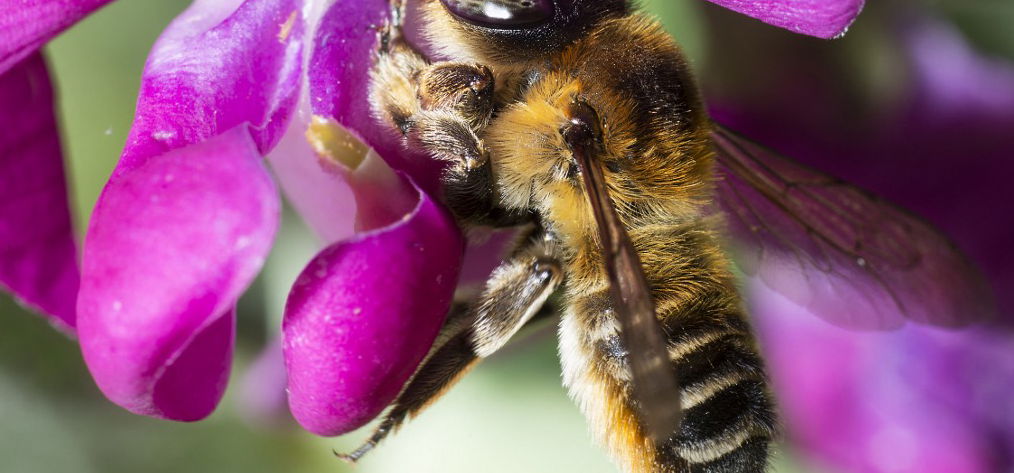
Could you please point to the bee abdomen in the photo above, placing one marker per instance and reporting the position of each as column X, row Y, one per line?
column 729, row 416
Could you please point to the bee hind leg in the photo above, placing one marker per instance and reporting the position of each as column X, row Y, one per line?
column 440, row 371
column 514, row 295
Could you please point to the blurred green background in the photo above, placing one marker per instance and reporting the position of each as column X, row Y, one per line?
column 509, row 415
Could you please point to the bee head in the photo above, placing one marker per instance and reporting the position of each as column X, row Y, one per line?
column 500, row 31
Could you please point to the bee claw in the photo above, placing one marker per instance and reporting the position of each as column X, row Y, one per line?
column 354, row 457
column 345, row 457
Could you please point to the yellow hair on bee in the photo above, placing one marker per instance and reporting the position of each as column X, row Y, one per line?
column 602, row 403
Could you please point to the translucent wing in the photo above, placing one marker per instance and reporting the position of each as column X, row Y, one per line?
column 848, row 256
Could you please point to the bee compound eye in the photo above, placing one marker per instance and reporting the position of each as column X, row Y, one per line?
column 501, row 13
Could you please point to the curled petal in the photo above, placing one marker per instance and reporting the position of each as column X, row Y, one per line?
column 338, row 185
column 26, row 25
column 186, row 219
column 339, row 72
column 820, row 18
column 171, row 246
column 214, row 68
column 363, row 314
column 38, row 256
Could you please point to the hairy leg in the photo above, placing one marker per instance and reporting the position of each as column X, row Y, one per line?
column 513, row 296
column 441, row 109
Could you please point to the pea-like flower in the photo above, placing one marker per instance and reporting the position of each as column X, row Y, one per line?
column 233, row 90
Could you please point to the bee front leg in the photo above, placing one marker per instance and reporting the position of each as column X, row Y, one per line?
column 441, row 109
column 438, row 108
column 514, row 294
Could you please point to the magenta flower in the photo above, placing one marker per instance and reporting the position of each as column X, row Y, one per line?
column 820, row 18
column 189, row 214
column 191, row 210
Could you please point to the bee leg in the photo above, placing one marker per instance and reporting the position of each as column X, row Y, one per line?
column 393, row 92
column 440, row 109
column 414, row 97
column 450, row 359
column 513, row 296
column 436, row 108
column 463, row 89
column 468, row 181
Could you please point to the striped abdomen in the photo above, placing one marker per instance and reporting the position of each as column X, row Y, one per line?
column 729, row 418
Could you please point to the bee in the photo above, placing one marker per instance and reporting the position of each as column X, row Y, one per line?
column 580, row 122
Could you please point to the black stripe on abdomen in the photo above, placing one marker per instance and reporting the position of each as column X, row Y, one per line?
column 730, row 420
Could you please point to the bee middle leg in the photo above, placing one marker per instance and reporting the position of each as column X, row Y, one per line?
column 513, row 296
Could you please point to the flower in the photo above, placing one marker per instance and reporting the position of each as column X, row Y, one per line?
column 820, row 18
column 189, row 213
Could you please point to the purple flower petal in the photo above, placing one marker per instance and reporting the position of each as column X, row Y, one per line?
column 215, row 68
column 172, row 244
column 912, row 400
column 189, row 214
column 38, row 256
column 26, row 25
column 339, row 78
column 820, row 18
column 363, row 314
column 951, row 79
column 338, row 185
column 321, row 196
column 262, row 399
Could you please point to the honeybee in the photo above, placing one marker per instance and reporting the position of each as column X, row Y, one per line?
column 580, row 121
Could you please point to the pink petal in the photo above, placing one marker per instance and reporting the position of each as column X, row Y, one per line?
column 26, row 25
column 820, row 18
column 363, row 314
column 951, row 79
column 849, row 398
column 320, row 196
column 172, row 244
column 38, row 256
column 337, row 200
column 339, row 77
column 262, row 399
column 188, row 216
column 215, row 68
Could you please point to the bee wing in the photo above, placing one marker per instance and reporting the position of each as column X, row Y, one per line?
column 653, row 382
column 848, row 256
